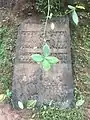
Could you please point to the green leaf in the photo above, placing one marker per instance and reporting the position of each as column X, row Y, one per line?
column 80, row 7
column 46, row 65
column 37, row 57
column 80, row 102
column 75, row 17
column 9, row 93
column 46, row 50
column 31, row 103
column 52, row 60
column 20, row 104
column 71, row 7
column 2, row 97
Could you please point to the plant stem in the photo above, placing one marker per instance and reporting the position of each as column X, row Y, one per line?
column 69, row 12
column 46, row 21
column 48, row 17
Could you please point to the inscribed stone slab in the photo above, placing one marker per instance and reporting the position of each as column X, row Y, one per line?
column 29, row 80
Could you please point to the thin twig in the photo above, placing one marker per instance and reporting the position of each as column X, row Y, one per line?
column 70, row 11
column 46, row 21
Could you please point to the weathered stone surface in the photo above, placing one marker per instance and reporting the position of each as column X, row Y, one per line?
column 30, row 81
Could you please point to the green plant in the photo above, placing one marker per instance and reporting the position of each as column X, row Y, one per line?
column 46, row 60
column 5, row 96
column 80, row 102
column 80, row 57
column 29, row 104
column 50, row 113
column 42, row 6
column 8, row 93
column 6, row 48
column 74, row 13
column 57, row 8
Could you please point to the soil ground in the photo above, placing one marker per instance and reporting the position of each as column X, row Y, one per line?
column 7, row 113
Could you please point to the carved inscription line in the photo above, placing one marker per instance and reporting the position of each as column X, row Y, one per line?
column 47, row 32
column 52, row 43
column 30, row 50
column 57, row 31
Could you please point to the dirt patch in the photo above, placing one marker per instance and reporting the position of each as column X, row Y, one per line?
column 19, row 7
column 7, row 113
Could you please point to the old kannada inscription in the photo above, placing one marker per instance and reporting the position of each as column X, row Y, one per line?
column 29, row 80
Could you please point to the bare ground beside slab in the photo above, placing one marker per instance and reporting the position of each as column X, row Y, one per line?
column 7, row 113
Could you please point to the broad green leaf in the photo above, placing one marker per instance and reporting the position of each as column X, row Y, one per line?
column 31, row 103
column 75, row 17
column 52, row 60
column 2, row 97
column 20, row 104
column 9, row 93
column 37, row 57
column 80, row 102
column 46, row 50
column 80, row 7
column 71, row 7
column 46, row 65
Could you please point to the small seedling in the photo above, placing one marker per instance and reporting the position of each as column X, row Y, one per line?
column 45, row 60
column 5, row 96
column 80, row 103
column 9, row 93
column 74, row 13
column 31, row 104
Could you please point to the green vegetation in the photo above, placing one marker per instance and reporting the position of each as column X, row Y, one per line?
column 57, row 7
column 81, row 57
column 57, row 114
column 81, row 54
column 6, row 48
column 46, row 60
